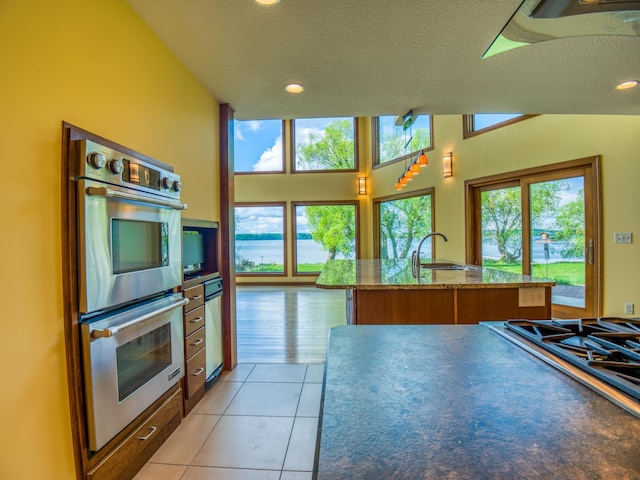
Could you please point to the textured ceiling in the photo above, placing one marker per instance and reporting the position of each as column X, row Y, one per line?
column 382, row 57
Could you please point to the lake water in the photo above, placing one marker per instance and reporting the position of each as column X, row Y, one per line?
column 271, row 251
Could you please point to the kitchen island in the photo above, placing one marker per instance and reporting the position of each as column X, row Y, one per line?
column 459, row 401
column 386, row 292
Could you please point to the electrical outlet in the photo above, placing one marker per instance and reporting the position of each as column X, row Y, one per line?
column 531, row 297
column 628, row 308
column 622, row 237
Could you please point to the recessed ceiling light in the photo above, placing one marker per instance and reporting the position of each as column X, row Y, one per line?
column 267, row 3
column 627, row 85
column 294, row 88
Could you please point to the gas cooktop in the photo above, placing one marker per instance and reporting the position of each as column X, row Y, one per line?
column 602, row 353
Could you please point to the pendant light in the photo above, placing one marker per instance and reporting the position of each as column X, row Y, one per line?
column 419, row 161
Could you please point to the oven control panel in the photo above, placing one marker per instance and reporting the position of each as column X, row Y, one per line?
column 105, row 164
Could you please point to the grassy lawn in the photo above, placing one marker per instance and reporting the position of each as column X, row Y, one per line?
column 275, row 268
column 564, row 273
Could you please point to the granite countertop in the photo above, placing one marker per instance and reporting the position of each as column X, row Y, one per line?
column 396, row 274
column 458, row 401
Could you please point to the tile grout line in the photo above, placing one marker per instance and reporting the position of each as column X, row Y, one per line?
column 284, row 460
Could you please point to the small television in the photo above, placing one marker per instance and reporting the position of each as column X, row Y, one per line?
column 192, row 251
column 199, row 249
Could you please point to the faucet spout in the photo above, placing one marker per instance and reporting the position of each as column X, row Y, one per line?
column 415, row 255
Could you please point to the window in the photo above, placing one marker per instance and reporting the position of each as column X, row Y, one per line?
column 323, row 232
column 258, row 146
column 542, row 222
column 321, row 144
column 485, row 122
column 260, row 239
column 401, row 221
column 389, row 140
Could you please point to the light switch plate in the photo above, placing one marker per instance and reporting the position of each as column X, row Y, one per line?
column 623, row 237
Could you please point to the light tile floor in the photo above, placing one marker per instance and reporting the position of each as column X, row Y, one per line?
column 258, row 422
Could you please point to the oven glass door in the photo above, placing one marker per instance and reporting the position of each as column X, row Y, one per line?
column 142, row 358
column 130, row 359
column 137, row 245
column 129, row 248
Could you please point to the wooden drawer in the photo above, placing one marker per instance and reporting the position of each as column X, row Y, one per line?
column 195, row 374
column 193, row 320
column 129, row 456
column 194, row 343
column 195, row 296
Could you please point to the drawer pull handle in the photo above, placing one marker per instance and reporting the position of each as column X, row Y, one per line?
column 146, row 437
column 198, row 371
column 196, row 320
column 196, row 297
column 197, row 342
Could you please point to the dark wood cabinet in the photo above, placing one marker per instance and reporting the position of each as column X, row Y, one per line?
column 130, row 455
column 442, row 306
column 194, row 347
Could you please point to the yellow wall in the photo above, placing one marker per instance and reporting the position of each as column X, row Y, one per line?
column 537, row 141
column 99, row 67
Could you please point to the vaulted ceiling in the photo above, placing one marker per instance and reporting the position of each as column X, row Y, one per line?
column 381, row 57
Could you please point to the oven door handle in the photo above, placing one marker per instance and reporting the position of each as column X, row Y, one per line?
column 111, row 331
column 108, row 192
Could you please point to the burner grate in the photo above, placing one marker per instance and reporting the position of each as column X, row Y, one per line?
column 607, row 347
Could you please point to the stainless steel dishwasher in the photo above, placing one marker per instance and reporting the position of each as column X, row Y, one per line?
column 213, row 329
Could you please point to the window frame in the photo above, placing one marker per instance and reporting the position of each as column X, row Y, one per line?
column 284, row 143
column 468, row 130
column 294, row 228
column 399, row 196
column 284, row 239
column 292, row 149
column 375, row 145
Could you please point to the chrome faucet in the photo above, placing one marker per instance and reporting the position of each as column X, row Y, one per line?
column 415, row 255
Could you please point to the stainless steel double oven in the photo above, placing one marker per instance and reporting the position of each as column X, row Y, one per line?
column 129, row 258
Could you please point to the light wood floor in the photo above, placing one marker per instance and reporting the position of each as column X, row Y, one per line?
column 286, row 324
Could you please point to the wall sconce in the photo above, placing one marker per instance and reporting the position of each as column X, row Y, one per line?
column 447, row 165
column 362, row 185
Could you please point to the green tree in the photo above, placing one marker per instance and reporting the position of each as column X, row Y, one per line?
column 502, row 215
column 392, row 143
column 332, row 149
column 502, row 221
column 401, row 223
column 570, row 223
column 333, row 227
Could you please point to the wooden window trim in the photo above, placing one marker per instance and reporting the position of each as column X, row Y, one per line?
column 399, row 196
column 294, row 243
column 284, row 239
column 268, row 172
column 292, row 150
column 375, row 146
column 468, row 130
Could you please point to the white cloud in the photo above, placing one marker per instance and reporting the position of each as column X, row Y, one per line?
column 271, row 159
column 241, row 126
column 304, row 134
column 259, row 220
column 254, row 125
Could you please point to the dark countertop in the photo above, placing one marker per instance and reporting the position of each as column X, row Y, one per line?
column 377, row 274
column 460, row 402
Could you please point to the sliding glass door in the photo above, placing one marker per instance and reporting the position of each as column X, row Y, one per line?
column 543, row 223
